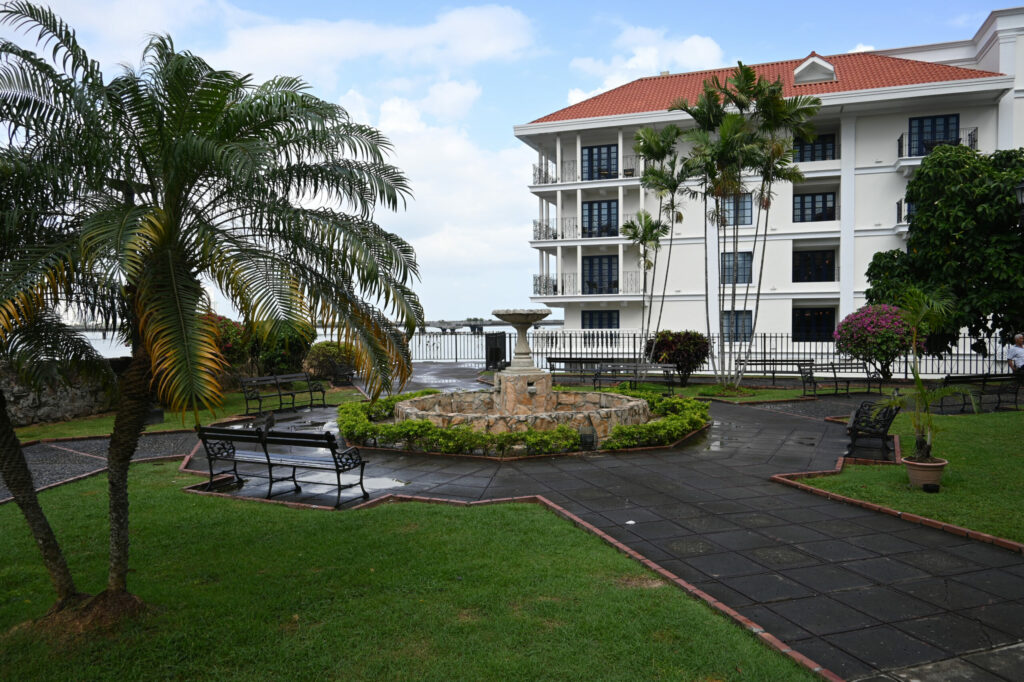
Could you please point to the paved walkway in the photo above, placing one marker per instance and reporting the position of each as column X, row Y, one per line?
column 866, row 595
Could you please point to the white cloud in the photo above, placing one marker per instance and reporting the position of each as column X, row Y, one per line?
column 470, row 219
column 450, row 100
column 456, row 39
column 646, row 52
column 861, row 47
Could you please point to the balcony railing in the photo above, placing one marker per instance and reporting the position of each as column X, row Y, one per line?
column 913, row 144
column 568, row 228
column 548, row 174
column 570, row 284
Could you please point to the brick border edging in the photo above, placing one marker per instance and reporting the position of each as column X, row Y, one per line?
column 761, row 634
column 793, row 480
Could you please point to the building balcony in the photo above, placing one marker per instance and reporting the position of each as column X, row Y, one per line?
column 629, row 282
column 569, row 228
column 915, row 145
column 549, row 174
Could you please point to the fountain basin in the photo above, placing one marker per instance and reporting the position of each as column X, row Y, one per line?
column 483, row 411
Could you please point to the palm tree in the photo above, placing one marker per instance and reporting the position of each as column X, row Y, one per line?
column 646, row 233
column 43, row 351
column 657, row 149
column 199, row 175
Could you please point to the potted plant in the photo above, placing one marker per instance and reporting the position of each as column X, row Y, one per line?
column 923, row 311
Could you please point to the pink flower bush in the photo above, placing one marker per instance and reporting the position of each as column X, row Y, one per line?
column 877, row 334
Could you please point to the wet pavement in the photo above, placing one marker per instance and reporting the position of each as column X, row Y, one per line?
column 866, row 595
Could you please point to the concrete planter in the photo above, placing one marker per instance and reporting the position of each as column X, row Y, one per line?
column 924, row 473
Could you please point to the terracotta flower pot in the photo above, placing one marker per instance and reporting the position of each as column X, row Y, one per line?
column 922, row 473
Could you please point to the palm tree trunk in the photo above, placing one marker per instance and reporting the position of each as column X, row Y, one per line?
column 124, row 439
column 668, row 269
column 18, row 479
column 707, row 285
column 760, row 270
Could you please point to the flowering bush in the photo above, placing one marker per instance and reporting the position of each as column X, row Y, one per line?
column 875, row 333
column 232, row 341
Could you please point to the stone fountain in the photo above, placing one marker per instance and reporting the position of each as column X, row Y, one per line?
column 523, row 398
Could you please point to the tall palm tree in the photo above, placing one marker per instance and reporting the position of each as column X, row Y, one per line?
column 657, row 149
column 646, row 233
column 264, row 190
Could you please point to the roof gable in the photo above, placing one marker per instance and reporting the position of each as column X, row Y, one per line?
column 814, row 69
column 856, row 71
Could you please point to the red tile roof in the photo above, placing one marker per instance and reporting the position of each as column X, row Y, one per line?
column 857, row 71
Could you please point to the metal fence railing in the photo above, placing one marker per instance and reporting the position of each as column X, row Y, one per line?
column 622, row 344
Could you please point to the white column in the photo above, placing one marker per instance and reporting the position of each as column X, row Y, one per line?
column 558, row 211
column 558, row 160
column 619, row 148
column 847, row 214
column 620, row 212
column 559, row 270
column 579, row 158
column 622, row 268
column 579, row 270
column 579, row 213
column 540, row 262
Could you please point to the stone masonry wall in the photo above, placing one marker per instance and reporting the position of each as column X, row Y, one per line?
column 51, row 404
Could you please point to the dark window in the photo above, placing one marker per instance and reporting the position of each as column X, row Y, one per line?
column 600, row 319
column 822, row 149
column 746, row 209
column 809, row 208
column 736, row 267
column 737, row 325
column 814, row 266
column 600, row 162
column 600, row 218
column 600, row 274
column 814, row 324
column 928, row 132
column 904, row 209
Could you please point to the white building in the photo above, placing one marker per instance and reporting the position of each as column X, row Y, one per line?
column 881, row 113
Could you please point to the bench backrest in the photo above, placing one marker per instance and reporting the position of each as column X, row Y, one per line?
column 322, row 440
column 870, row 418
column 259, row 381
column 285, row 378
column 219, row 441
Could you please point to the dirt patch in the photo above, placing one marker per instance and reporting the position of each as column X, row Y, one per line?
column 642, row 582
column 468, row 616
column 97, row 615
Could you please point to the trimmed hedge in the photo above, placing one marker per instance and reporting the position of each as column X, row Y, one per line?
column 364, row 423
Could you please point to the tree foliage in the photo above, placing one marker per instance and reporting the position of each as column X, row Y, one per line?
column 965, row 234
column 687, row 350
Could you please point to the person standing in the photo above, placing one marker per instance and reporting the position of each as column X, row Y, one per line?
column 1015, row 355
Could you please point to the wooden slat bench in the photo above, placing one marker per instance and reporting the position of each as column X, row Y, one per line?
column 280, row 388
column 1002, row 386
column 836, row 375
column 575, row 367
column 773, row 366
column 635, row 372
column 288, row 450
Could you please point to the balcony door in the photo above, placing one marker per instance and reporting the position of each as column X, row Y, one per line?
column 927, row 132
column 600, row 218
column 600, row 162
column 600, row 275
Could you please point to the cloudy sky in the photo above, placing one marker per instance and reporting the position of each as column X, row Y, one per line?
column 446, row 82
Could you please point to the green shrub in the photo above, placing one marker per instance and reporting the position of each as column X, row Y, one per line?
column 686, row 350
column 325, row 358
column 363, row 423
column 663, row 431
column 283, row 352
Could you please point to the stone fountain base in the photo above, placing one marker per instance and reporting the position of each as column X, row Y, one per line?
column 525, row 401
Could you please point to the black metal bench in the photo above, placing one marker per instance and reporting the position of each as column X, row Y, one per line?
column 980, row 385
column 576, row 367
column 282, row 450
column 280, row 387
column 635, row 372
column 870, row 421
column 773, row 366
column 837, row 376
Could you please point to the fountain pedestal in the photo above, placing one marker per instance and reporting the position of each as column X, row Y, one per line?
column 522, row 388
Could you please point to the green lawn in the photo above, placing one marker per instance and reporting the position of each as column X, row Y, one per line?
column 982, row 488
column 244, row 591
column 101, row 424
